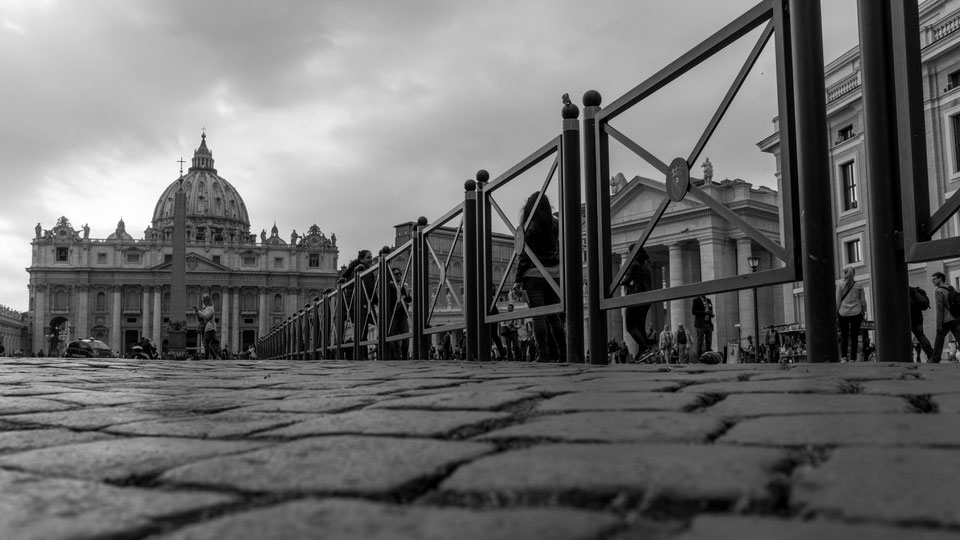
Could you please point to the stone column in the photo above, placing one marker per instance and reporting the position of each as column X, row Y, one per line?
column 157, row 316
column 747, row 328
column 235, row 326
column 83, row 310
column 678, row 308
column 39, row 317
column 145, row 312
column 225, row 318
column 711, row 267
column 263, row 316
column 115, row 337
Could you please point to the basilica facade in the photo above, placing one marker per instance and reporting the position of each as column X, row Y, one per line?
column 117, row 289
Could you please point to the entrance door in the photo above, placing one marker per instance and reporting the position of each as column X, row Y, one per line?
column 247, row 339
column 130, row 338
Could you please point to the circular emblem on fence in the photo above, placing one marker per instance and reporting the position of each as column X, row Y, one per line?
column 518, row 241
column 678, row 179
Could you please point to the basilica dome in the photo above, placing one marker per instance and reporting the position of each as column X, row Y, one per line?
column 214, row 206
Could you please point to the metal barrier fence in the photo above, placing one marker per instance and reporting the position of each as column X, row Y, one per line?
column 343, row 323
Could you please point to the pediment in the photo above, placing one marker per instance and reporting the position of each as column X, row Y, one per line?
column 641, row 197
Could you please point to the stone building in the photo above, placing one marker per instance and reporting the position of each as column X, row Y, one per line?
column 13, row 330
column 689, row 244
column 940, row 57
column 117, row 288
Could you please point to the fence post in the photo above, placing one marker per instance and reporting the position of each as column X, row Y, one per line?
column 813, row 167
column 357, row 315
column 419, row 285
column 484, row 269
column 384, row 311
column 572, row 231
column 471, row 287
column 887, row 261
column 341, row 315
column 597, row 318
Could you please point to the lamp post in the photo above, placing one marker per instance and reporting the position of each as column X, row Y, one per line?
column 754, row 262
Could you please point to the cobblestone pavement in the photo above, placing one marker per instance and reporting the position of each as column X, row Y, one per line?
column 411, row 450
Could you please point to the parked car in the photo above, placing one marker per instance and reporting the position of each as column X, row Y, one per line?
column 88, row 348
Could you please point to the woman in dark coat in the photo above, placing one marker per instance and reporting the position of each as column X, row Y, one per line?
column 542, row 236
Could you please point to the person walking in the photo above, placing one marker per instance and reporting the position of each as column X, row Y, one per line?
column 363, row 261
column 397, row 300
column 682, row 341
column 540, row 232
column 509, row 337
column 851, row 308
column 947, row 322
column 665, row 345
column 205, row 314
column 703, row 322
column 524, row 331
column 639, row 278
column 919, row 301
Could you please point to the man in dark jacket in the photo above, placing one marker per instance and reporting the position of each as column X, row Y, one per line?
column 918, row 303
column 946, row 323
column 703, row 322
column 639, row 278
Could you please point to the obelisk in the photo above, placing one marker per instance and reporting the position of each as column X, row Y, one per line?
column 177, row 347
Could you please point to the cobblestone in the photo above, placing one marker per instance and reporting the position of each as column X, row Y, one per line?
column 286, row 449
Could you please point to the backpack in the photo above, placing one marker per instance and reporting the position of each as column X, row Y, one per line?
column 953, row 301
column 919, row 299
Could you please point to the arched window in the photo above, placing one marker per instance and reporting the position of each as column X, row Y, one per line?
column 456, row 269
column 165, row 304
column 192, row 299
column 101, row 301
column 216, row 302
column 278, row 302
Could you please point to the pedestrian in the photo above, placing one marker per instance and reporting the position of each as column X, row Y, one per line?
column 524, row 331
column 639, row 278
column 613, row 351
column 205, row 314
column 948, row 322
column 919, row 301
column 397, row 301
column 252, row 353
column 624, row 352
column 447, row 346
column 665, row 344
column 509, row 337
column 540, row 231
column 851, row 308
column 703, row 322
column 363, row 261
column 682, row 340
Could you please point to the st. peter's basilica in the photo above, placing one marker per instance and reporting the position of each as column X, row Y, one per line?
column 117, row 289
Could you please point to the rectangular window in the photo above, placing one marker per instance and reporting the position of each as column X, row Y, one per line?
column 132, row 320
column 133, row 258
column 278, row 262
column 167, row 257
column 852, row 250
column 848, row 180
column 247, row 320
column 249, row 260
column 953, row 80
column 955, row 127
column 101, row 258
column 314, row 260
column 62, row 254
column 216, row 259
column 845, row 133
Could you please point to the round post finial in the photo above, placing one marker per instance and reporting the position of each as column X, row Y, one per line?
column 422, row 221
column 592, row 98
column 483, row 176
column 470, row 185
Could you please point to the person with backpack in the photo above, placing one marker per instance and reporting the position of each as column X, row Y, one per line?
column 948, row 313
column 919, row 302
column 851, row 308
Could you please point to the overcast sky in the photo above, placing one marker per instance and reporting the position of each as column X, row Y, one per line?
column 354, row 115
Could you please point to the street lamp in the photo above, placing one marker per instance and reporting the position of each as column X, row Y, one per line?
column 754, row 262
